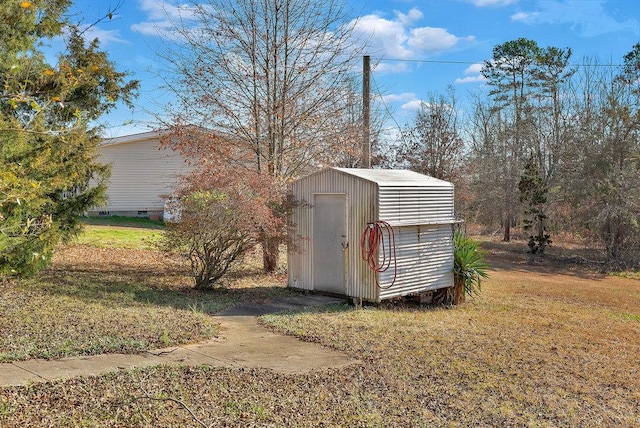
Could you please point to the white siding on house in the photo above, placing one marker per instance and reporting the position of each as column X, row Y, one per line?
column 141, row 173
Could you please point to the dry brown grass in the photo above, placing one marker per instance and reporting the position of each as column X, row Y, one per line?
column 96, row 300
column 545, row 345
column 124, row 299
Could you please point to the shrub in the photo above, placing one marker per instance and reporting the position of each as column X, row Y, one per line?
column 218, row 223
column 469, row 267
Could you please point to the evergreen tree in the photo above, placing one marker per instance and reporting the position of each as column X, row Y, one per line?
column 533, row 193
column 525, row 113
column 49, row 174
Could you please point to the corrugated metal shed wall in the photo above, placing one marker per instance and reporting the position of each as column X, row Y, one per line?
column 416, row 204
column 361, row 208
column 421, row 216
column 424, row 260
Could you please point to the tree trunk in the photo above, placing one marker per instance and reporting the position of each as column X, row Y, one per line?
column 507, row 228
column 458, row 293
column 270, row 252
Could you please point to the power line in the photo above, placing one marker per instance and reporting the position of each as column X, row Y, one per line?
column 386, row 107
column 428, row 61
column 433, row 61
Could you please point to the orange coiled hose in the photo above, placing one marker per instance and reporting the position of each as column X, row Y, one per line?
column 379, row 236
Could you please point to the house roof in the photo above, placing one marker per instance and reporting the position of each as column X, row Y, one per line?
column 156, row 135
column 133, row 138
column 394, row 177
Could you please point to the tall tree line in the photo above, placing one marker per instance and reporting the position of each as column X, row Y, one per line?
column 577, row 127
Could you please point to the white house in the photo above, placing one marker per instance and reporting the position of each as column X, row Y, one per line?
column 141, row 173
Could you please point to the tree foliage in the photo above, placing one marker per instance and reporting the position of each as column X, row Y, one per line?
column 523, row 116
column 49, row 174
column 276, row 76
column 220, row 219
column 432, row 144
column 581, row 126
column 533, row 193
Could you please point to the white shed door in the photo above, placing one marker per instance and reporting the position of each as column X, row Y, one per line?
column 329, row 241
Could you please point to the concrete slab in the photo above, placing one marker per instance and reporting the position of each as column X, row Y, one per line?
column 12, row 375
column 295, row 303
column 243, row 343
column 248, row 344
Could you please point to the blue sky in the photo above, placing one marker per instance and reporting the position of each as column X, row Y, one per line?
column 421, row 46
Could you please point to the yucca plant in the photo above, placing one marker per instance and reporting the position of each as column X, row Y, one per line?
column 469, row 267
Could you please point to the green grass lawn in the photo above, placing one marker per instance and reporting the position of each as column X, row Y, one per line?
column 135, row 238
column 137, row 222
column 120, row 232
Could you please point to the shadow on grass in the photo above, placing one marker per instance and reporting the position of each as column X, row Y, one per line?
column 128, row 278
column 512, row 256
column 124, row 284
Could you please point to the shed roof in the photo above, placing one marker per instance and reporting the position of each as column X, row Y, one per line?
column 394, row 177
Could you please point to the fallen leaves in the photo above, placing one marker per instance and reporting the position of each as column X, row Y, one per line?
column 535, row 349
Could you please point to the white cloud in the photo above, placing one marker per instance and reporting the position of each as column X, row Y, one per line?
column 394, row 98
column 474, row 68
column 523, row 16
column 162, row 16
column 389, row 67
column 589, row 18
column 408, row 19
column 472, row 74
column 147, row 28
column 105, row 36
column 470, row 79
column 413, row 105
column 400, row 38
column 429, row 39
column 159, row 10
column 485, row 3
column 386, row 38
column 155, row 9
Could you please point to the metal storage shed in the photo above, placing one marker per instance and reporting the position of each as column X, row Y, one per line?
column 336, row 205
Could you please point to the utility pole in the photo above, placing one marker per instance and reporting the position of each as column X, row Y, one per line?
column 366, row 105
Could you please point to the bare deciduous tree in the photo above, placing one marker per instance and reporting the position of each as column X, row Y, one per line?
column 274, row 78
column 432, row 144
column 602, row 181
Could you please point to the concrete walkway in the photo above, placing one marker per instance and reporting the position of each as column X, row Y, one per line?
column 242, row 343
